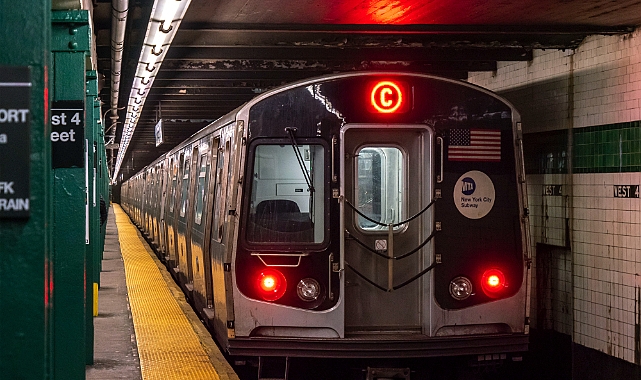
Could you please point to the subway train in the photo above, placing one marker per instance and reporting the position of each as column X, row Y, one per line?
column 366, row 215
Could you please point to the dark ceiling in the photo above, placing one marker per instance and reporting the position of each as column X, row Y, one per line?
column 227, row 51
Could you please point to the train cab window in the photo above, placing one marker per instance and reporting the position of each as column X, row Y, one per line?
column 200, row 191
column 287, row 198
column 380, row 190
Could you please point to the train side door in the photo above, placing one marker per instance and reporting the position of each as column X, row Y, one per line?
column 170, row 218
column 161, row 208
column 186, row 217
column 387, row 179
column 198, row 220
column 171, row 221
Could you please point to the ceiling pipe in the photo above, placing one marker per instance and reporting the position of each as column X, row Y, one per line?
column 119, row 10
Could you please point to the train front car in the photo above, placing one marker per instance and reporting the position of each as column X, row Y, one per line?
column 382, row 215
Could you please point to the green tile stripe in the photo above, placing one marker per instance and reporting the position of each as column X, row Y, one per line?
column 611, row 148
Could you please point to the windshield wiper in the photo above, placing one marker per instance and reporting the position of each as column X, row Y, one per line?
column 303, row 168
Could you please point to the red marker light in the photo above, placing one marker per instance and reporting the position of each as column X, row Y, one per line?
column 268, row 283
column 493, row 282
column 271, row 284
column 387, row 97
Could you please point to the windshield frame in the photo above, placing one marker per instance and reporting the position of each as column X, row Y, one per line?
column 321, row 193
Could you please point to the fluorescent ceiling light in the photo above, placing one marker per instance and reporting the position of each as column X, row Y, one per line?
column 165, row 19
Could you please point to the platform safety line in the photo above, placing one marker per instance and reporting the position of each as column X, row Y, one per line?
column 167, row 344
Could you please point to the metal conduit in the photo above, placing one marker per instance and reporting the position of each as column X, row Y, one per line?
column 119, row 10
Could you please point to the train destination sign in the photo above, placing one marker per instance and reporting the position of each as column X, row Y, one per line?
column 68, row 134
column 388, row 97
column 15, row 141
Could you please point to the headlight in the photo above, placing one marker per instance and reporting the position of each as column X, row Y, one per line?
column 460, row 288
column 308, row 289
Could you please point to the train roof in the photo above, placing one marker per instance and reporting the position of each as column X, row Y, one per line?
column 242, row 111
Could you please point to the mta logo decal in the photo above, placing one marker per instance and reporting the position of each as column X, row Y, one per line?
column 469, row 186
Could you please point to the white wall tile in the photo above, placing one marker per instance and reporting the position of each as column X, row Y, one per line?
column 606, row 232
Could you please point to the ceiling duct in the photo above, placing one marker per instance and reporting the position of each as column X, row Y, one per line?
column 119, row 9
column 165, row 19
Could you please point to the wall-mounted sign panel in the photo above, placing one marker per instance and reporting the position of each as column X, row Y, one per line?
column 15, row 141
column 553, row 190
column 626, row 191
column 68, row 134
column 159, row 133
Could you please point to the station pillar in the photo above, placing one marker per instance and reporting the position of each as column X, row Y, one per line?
column 25, row 237
column 70, row 39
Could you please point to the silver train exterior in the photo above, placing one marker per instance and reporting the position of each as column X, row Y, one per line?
column 360, row 215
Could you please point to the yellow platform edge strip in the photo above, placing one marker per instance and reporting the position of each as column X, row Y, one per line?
column 168, row 345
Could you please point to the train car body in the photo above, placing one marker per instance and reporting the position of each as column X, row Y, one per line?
column 361, row 215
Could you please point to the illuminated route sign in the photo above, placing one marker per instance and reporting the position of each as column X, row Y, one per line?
column 15, row 141
column 388, row 97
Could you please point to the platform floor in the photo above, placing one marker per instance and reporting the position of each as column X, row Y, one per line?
column 145, row 329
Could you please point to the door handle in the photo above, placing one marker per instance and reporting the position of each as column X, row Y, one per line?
column 439, row 176
column 334, row 142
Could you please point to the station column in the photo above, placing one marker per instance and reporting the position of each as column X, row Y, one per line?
column 70, row 45
column 25, row 238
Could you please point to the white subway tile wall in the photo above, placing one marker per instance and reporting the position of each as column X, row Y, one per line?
column 591, row 288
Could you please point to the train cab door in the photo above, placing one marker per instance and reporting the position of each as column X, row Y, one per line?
column 387, row 180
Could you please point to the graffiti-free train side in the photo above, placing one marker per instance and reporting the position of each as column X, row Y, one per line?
column 363, row 215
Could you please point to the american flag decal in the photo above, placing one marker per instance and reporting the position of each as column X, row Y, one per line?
column 474, row 145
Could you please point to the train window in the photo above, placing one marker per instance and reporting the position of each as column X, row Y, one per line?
column 185, row 188
column 152, row 188
column 283, row 206
column 379, row 186
column 200, row 190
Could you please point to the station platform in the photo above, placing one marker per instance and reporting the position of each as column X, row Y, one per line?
column 145, row 329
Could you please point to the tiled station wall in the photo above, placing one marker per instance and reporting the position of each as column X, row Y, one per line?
column 581, row 118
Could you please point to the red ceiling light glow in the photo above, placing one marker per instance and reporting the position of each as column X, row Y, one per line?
column 387, row 97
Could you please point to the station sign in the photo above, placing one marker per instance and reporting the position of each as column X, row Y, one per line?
column 158, row 132
column 15, row 141
column 68, row 134
column 626, row 191
column 553, row 190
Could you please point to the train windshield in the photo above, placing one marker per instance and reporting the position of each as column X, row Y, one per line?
column 284, row 208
